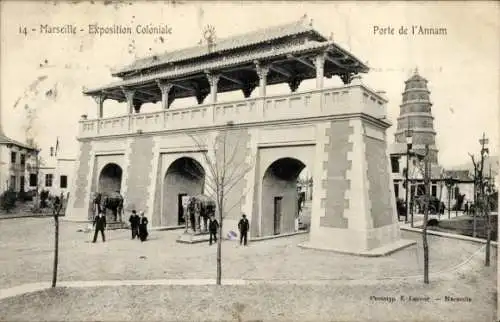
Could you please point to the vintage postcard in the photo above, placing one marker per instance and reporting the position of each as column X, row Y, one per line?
column 249, row 161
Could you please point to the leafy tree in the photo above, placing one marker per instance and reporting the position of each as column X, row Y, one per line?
column 8, row 200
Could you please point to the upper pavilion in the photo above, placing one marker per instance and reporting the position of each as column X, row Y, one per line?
column 287, row 53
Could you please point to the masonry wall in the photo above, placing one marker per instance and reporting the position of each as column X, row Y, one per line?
column 336, row 182
column 156, row 216
column 139, row 173
column 236, row 150
column 81, row 178
column 382, row 209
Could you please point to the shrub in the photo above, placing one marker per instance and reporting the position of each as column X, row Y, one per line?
column 24, row 196
column 8, row 200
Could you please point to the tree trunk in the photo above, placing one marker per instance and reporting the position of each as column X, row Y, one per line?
column 474, row 221
column 56, row 249
column 219, row 255
column 474, row 234
column 488, row 230
column 426, row 217
column 219, row 241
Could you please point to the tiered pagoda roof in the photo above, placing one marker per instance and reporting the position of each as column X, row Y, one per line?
column 289, row 51
column 416, row 116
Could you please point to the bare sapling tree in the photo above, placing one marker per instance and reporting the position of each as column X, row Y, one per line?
column 424, row 166
column 483, row 200
column 227, row 163
column 57, row 207
column 427, row 183
column 476, row 208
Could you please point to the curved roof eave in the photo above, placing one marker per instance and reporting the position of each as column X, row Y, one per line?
column 223, row 45
column 221, row 64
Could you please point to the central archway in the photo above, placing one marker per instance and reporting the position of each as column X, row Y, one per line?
column 279, row 196
column 185, row 176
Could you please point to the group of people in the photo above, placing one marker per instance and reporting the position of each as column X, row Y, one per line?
column 243, row 227
column 138, row 225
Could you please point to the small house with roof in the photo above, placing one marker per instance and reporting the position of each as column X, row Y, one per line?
column 14, row 157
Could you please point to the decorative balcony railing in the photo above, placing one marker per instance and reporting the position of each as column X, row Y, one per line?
column 313, row 103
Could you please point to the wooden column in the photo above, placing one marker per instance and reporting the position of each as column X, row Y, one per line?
column 262, row 72
column 213, row 79
column 99, row 98
column 129, row 95
column 137, row 106
column 319, row 63
column 294, row 83
column 247, row 90
column 165, row 88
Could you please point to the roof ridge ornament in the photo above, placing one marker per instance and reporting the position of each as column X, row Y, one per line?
column 209, row 36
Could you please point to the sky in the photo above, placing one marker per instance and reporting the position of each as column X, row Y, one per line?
column 43, row 75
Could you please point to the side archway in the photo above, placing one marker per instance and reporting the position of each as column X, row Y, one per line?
column 110, row 178
column 185, row 176
column 279, row 206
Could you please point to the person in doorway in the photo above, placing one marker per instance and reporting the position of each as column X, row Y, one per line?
column 466, row 208
column 213, row 226
column 243, row 227
column 134, row 224
column 143, row 227
column 100, row 226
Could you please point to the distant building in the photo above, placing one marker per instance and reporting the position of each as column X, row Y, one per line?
column 52, row 173
column 416, row 120
column 13, row 159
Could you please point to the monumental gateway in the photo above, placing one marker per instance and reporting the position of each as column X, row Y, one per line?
column 338, row 133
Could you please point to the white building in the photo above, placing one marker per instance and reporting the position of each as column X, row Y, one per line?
column 54, row 175
column 13, row 159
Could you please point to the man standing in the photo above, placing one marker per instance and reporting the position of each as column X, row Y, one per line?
column 100, row 225
column 213, row 226
column 134, row 224
column 243, row 227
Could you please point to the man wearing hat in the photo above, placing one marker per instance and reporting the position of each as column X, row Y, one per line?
column 134, row 224
column 213, row 226
column 100, row 226
column 243, row 227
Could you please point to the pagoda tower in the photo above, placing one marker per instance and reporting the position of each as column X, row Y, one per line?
column 416, row 115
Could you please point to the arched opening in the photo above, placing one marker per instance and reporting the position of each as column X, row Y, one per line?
column 109, row 197
column 280, row 197
column 184, row 177
column 304, row 202
column 110, row 179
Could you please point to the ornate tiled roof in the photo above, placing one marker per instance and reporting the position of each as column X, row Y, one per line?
column 238, row 41
column 191, row 69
